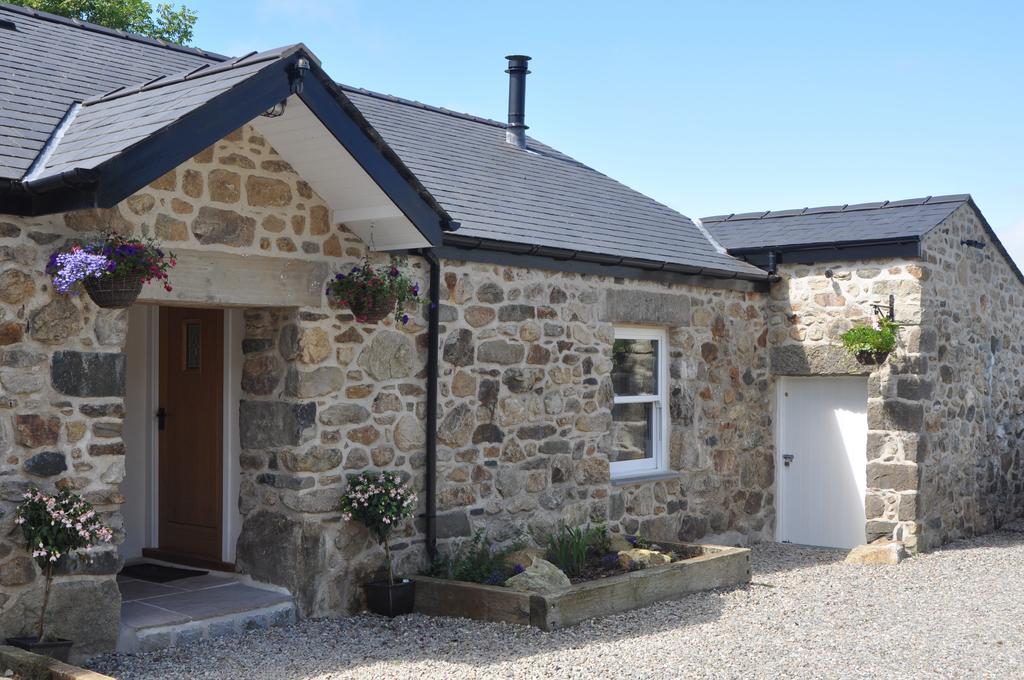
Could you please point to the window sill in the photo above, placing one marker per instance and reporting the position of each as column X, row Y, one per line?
column 646, row 477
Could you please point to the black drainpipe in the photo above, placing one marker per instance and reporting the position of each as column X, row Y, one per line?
column 773, row 267
column 433, row 340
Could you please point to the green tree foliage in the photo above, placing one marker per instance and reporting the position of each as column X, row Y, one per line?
column 161, row 21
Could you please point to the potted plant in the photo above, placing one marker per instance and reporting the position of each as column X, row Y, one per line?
column 380, row 502
column 112, row 268
column 373, row 292
column 871, row 345
column 55, row 525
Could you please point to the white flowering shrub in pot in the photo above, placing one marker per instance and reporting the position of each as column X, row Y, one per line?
column 55, row 526
column 380, row 502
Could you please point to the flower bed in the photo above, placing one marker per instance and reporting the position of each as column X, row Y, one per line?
column 709, row 567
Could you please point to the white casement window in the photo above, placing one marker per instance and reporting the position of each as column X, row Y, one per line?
column 640, row 411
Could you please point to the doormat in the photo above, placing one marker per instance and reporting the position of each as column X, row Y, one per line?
column 158, row 573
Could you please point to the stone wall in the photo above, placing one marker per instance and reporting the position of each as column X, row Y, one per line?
column 807, row 313
column 325, row 397
column 972, row 388
column 526, row 397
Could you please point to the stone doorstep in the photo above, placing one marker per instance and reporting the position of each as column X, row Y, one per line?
column 173, row 634
column 26, row 664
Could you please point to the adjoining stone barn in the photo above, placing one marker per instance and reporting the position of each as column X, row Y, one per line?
column 592, row 356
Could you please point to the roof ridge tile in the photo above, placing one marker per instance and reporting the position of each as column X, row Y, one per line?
column 200, row 71
column 845, row 208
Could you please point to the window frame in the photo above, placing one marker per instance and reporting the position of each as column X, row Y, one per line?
column 658, row 463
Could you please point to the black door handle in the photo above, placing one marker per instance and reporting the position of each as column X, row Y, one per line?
column 161, row 418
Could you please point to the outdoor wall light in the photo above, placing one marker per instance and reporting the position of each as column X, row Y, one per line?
column 297, row 73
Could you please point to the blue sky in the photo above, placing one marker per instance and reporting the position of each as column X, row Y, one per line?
column 709, row 107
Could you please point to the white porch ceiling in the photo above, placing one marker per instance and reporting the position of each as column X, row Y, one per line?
column 354, row 198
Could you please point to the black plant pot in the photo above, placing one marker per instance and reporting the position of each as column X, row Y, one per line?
column 872, row 358
column 388, row 600
column 55, row 649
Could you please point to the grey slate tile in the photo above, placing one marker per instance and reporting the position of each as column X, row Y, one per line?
column 828, row 225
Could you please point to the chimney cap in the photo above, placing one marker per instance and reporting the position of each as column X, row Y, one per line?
column 517, row 62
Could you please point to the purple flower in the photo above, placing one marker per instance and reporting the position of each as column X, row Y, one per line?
column 518, row 569
column 78, row 265
column 405, row 318
column 632, row 540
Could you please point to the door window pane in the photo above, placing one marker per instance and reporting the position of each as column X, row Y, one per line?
column 634, row 367
column 633, row 431
column 193, row 345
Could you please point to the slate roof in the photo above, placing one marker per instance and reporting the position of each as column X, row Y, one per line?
column 49, row 62
column 497, row 192
column 541, row 197
column 834, row 224
column 107, row 125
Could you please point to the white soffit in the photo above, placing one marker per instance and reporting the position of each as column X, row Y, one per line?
column 354, row 198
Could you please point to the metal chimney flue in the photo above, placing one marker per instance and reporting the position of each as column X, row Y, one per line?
column 515, row 133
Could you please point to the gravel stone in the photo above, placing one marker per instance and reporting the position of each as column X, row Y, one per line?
column 806, row 614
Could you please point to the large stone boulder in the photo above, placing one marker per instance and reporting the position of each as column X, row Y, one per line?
column 641, row 558
column 540, row 577
column 285, row 551
column 877, row 553
column 86, row 610
column 526, row 556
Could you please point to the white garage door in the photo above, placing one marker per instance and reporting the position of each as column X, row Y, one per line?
column 822, row 459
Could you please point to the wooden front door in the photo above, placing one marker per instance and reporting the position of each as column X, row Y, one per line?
column 190, row 426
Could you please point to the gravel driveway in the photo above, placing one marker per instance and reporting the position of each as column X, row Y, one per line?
column 958, row 612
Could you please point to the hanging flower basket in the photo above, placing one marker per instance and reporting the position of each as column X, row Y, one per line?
column 114, row 292
column 372, row 293
column 373, row 310
column 111, row 268
column 871, row 345
column 869, row 358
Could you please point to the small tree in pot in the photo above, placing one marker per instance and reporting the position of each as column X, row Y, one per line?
column 380, row 502
column 55, row 526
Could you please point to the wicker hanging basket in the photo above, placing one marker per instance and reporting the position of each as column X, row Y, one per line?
column 869, row 358
column 114, row 292
column 373, row 313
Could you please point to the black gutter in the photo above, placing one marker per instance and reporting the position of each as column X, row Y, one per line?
column 811, row 253
column 458, row 247
column 433, row 343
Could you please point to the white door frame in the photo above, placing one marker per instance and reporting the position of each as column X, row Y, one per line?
column 230, row 516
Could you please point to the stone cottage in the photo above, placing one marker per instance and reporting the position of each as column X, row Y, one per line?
column 589, row 354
